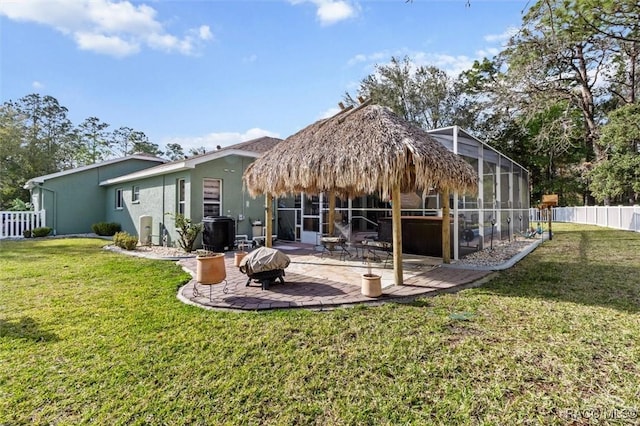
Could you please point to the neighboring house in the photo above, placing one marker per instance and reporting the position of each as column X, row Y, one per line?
column 73, row 199
column 206, row 185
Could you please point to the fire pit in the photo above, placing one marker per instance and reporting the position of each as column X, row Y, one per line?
column 264, row 265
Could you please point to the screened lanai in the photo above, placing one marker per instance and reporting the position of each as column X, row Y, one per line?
column 498, row 211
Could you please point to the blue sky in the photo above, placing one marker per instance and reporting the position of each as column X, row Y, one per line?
column 207, row 73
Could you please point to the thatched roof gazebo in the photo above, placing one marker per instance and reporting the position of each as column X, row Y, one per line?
column 359, row 151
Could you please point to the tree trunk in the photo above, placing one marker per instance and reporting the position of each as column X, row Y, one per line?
column 587, row 106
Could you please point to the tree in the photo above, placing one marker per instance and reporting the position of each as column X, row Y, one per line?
column 618, row 19
column 48, row 133
column 174, row 152
column 37, row 138
column 126, row 141
column 142, row 145
column 557, row 57
column 12, row 161
column 423, row 95
column 390, row 85
column 618, row 177
column 197, row 151
column 555, row 152
column 435, row 97
column 122, row 140
column 93, row 144
column 486, row 107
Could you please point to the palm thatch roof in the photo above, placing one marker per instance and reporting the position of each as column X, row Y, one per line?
column 363, row 151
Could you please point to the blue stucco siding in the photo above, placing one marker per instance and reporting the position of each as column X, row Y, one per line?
column 157, row 198
column 236, row 202
column 75, row 200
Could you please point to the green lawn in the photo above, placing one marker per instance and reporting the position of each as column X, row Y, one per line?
column 89, row 336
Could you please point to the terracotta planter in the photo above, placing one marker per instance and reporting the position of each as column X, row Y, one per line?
column 238, row 256
column 210, row 269
column 371, row 285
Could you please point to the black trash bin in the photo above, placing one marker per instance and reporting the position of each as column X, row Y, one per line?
column 218, row 233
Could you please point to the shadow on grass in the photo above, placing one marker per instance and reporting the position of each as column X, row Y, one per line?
column 25, row 328
column 590, row 267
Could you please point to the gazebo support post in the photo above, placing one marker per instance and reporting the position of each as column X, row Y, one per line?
column 397, row 234
column 446, row 226
column 268, row 212
column 332, row 212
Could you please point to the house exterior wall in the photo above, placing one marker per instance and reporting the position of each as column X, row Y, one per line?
column 236, row 203
column 75, row 201
column 159, row 199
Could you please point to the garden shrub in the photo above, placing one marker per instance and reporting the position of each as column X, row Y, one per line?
column 41, row 232
column 187, row 231
column 125, row 240
column 107, row 229
column 26, row 233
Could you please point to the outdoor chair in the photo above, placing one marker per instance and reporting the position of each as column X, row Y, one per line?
column 334, row 244
column 372, row 247
column 243, row 243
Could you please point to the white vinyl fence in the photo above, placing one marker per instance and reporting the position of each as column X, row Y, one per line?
column 13, row 224
column 619, row 217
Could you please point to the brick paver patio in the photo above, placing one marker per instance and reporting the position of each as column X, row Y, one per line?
column 319, row 281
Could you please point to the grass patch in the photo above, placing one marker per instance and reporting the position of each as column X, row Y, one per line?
column 94, row 337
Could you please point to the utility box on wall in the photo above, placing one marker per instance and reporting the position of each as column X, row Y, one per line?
column 146, row 227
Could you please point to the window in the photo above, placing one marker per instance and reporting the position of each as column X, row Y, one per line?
column 135, row 194
column 119, row 199
column 182, row 197
column 211, row 198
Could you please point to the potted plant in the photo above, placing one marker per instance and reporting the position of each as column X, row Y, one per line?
column 371, row 283
column 238, row 256
column 210, row 268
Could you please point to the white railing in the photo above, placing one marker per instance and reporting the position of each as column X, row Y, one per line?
column 618, row 217
column 13, row 224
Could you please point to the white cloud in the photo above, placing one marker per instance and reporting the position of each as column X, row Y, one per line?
column 108, row 45
column 329, row 113
column 37, row 85
column 357, row 59
column 251, row 58
column 501, row 38
column 489, row 52
column 372, row 57
column 211, row 140
column 331, row 11
column 116, row 28
column 205, row 32
column 452, row 65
